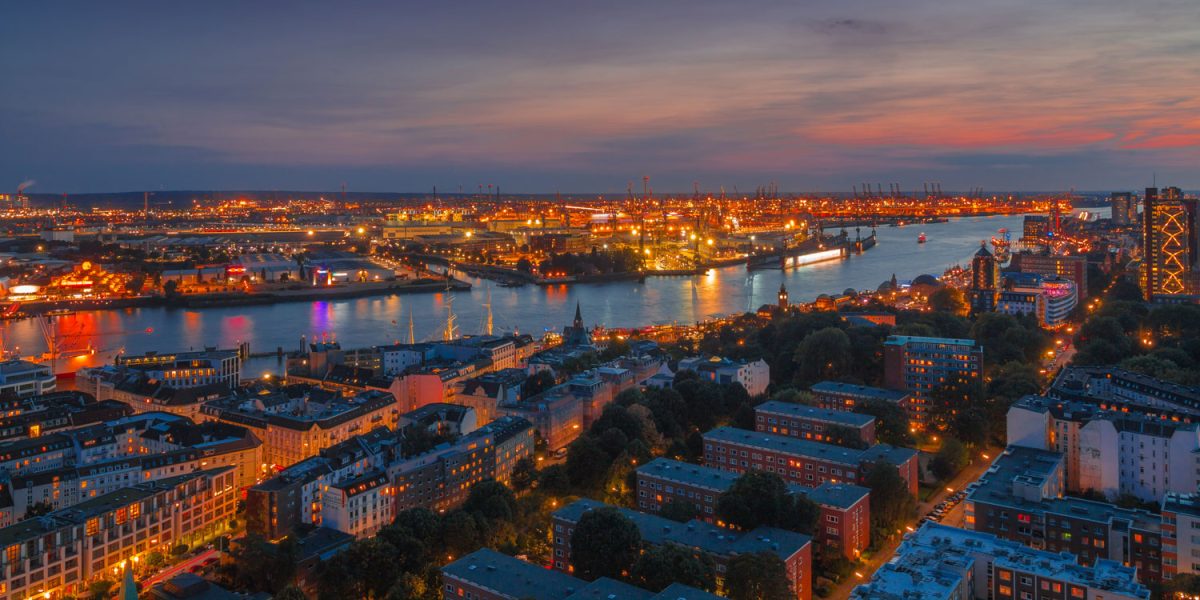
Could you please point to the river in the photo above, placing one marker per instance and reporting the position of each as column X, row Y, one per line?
column 529, row 309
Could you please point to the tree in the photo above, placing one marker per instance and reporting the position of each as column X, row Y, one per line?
column 756, row 498
column 587, row 463
column 892, row 505
column 1184, row 585
column 554, row 480
column 409, row 586
column 948, row 300
column 679, row 510
column 492, row 499
column 366, row 569
column 891, row 422
column 460, row 533
column 605, row 544
column 824, row 354
column 665, row 564
column 537, row 383
column 949, row 460
column 840, row 435
column 524, row 473
column 263, row 566
column 290, row 592
column 758, row 576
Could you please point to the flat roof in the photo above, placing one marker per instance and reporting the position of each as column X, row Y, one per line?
column 900, row 340
column 697, row 534
column 813, row 413
column 850, row 389
column 512, row 577
column 797, row 447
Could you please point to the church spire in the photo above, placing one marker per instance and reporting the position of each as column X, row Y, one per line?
column 578, row 317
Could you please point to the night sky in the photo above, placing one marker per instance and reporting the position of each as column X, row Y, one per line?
column 587, row 96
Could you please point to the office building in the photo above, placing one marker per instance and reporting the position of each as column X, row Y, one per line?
column 189, row 369
column 1124, row 209
column 1168, row 245
column 1048, row 298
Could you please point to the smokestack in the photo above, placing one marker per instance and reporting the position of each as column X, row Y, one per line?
column 28, row 183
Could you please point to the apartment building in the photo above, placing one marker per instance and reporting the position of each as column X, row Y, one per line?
column 1112, row 452
column 489, row 575
column 33, row 416
column 61, row 553
column 21, row 379
column 488, row 391
column 1111, row 388
column 844, row 521
column 188, row 369
column 801, row 461
column 1180, row 534
column 835, row 395
column 295, row 422
column 294, row 496
column 754, row 376
column 812, row 423
column 359, row 506
column 1069, row 267
column 1020, row 498
column 441, row 479
column 938, row 562
column 921, row 365
column 722, row 545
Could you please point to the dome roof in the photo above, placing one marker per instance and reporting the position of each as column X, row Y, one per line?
column 925, row 279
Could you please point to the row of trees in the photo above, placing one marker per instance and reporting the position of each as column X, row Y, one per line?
column 1162, row 342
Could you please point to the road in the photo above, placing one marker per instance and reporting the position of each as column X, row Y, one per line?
column 978, row 465
column 181, row 567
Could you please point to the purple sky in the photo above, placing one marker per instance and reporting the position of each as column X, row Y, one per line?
column 587, row 96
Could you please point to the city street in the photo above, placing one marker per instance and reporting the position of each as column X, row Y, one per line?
column 181, row 567
column 953, row 517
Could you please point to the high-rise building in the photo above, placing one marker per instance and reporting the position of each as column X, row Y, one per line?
column 1124, row 208
column 1168, row 245
column 985, row 280
column 922, row 365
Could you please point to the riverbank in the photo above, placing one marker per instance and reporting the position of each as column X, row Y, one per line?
column 306, row 294
column 356, row 290
column 532, row 309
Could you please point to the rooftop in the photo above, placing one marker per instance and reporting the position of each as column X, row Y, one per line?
column 697, row 534
column 812, row 413
column 511, row 577
column 901, row 340
column 797, row 447
column 849, row 389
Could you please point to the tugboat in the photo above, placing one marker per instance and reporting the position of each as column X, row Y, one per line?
column 921, row 238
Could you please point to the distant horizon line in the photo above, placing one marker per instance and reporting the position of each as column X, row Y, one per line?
column 456, row 194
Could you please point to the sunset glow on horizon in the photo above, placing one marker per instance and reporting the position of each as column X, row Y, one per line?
column 584, row 97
